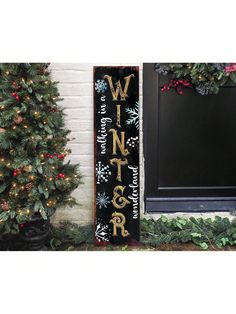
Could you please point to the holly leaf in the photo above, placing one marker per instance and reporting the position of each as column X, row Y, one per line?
column 38, row 96
column 196, row 235
column 46, row 194
column 40, row 188
column 182, row 221
column 23, row 107
column 179, row 225
column 233, row 77
column 203, row 245
column 37, row 206
column 12, row 214
column 40, row 169
column 47, row 129
column 4, row 216
column 43, row 214
column 164, row 219
column 224, row 241
column 220, row 76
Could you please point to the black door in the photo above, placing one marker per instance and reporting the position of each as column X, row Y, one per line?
column 190, row 148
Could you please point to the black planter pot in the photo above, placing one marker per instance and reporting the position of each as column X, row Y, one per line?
column 33, row 235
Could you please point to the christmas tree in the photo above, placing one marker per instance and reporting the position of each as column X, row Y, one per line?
column 34, row 179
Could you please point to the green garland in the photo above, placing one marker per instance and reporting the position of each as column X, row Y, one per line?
column 215, row 233
column 204, row 78
column 206, row 233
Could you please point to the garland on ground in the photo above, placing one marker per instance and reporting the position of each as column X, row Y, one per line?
column 206, row 233
column 215, row 233
column 68, row 236
column 204, row 78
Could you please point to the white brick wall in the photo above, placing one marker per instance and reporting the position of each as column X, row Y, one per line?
column 76, row 87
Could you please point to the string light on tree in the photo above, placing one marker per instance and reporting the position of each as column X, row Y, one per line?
column 28, row 104
column 28, row 168
column 51, row 203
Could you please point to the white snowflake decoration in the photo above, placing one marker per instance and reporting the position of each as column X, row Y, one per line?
column 102, row 200
column 133, row 116
column 102, row 232
column 132, row 142
column 102, row 172
column 100, row 86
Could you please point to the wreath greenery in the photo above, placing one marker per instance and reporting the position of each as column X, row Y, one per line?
column 204, row 78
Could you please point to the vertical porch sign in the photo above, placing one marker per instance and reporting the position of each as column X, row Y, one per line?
column 116, row 123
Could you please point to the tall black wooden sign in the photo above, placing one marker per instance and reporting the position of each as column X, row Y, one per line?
column 116, row 122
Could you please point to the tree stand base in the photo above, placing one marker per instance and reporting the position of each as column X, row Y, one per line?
column 33, row 235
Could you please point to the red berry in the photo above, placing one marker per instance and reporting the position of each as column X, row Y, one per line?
column 60, row 176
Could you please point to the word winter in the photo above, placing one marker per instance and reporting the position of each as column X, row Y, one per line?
column 115, row 90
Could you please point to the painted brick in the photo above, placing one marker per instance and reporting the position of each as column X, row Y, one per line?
column 79, row 112
column 77, row 125
column 75, row 89
column 77, row 102
column 72, row 76
column 82, row 137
